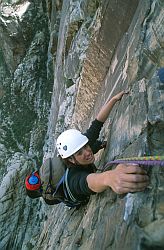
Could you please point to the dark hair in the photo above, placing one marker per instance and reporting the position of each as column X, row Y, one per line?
column 33, row 194
column 68, row 163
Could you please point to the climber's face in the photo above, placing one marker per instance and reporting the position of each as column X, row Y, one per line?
column 83, row 156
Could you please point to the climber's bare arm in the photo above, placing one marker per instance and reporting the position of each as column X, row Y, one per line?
column 123, row 179
column 107, row 107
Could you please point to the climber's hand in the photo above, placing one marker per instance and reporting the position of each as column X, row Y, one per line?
column 103, row 145
column 120, row 95
column 127, row 178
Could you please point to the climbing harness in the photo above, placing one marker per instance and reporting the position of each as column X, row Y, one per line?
column 145, row 160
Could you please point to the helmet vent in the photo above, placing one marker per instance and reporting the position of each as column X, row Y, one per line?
column 65, row 147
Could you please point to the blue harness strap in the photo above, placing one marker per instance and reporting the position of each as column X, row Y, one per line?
column 59, row 183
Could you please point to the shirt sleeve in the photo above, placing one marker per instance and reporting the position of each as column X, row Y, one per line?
column 96, row 146
column 93, row 131
column 77, row 181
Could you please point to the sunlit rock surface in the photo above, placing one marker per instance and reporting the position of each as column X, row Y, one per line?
column 59, row 62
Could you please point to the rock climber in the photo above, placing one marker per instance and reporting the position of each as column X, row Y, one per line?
column 77, row 160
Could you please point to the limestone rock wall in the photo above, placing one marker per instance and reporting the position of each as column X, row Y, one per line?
column 90, row 50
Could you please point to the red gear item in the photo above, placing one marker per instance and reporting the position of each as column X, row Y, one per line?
column 33, row 181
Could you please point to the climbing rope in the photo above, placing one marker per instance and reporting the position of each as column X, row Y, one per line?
column 145, row 160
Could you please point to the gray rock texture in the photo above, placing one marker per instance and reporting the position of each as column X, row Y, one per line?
column 59, row 62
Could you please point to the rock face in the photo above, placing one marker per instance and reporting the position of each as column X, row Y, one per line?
column 59, row 62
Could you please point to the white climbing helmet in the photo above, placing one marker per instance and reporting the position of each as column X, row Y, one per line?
column 69, row 142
